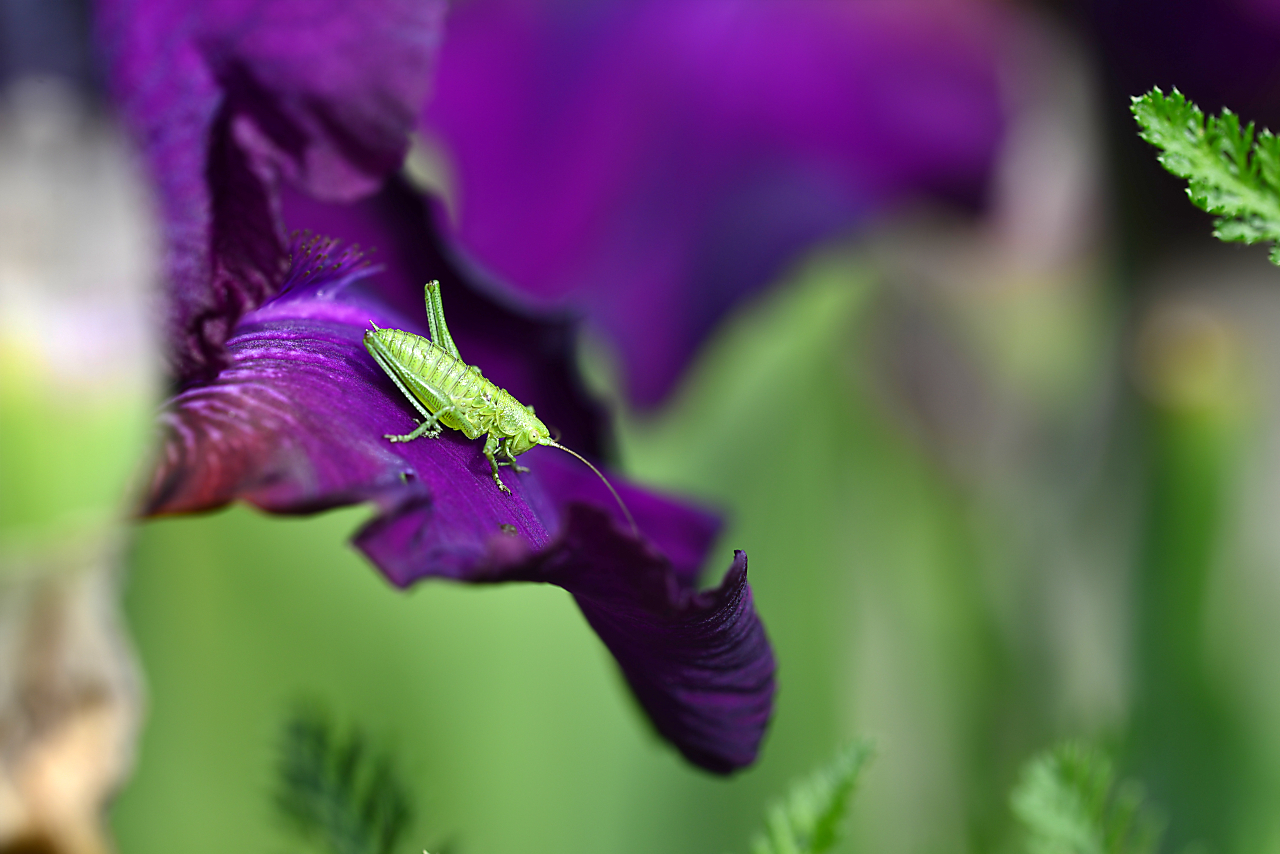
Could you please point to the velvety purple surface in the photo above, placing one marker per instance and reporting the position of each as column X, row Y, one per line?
column 295, row 424
column 228, row 96
column 652, row 161
column 699, row 663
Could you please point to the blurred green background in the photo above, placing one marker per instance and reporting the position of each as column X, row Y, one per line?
column 1003, row 480
column 1041, row 537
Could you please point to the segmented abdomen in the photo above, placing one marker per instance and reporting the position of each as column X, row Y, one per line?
column 438, row 369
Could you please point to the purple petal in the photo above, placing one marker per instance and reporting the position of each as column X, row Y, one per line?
column 680, row 534
column 699, row 663
column 652, row 161
column 294, row 424
column 226, row 96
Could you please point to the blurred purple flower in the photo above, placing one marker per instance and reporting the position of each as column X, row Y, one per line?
column 651, row 162
column 258, row 115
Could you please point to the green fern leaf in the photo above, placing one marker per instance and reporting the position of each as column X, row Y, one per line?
column 335, row 792
column 810, row 820
column 1069, row 803
column 1230, row 171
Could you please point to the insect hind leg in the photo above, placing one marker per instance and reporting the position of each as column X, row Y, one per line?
column 435, row 320
column 430, row 428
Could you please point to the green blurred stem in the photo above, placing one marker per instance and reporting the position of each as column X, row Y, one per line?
column 1182, row 739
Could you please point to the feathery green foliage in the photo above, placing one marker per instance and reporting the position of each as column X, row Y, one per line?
column 1231, row 171
column 335, row 791
column 809, row 820
column 1068, row 801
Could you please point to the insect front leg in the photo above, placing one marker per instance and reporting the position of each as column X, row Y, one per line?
column 505, row 450
column 490, row 446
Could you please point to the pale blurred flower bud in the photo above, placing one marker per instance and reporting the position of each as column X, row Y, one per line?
column 78, row 387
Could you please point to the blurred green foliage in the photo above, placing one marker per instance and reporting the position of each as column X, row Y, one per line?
column 335, row 791
column 962, row 622
column 505, row 694
column 1069, row 803
column 810, row 819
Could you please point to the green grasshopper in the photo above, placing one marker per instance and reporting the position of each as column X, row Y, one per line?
column 448, row 391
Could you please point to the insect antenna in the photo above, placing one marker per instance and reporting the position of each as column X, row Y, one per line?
column 616, row 497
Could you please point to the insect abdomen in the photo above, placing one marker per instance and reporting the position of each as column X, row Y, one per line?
column 433, row 366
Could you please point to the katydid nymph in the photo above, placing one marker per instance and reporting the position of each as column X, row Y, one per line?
column 448, row 391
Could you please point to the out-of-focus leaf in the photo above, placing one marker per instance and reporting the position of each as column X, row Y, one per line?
column 810, row 819
column 336, row 791
column 1069, row 803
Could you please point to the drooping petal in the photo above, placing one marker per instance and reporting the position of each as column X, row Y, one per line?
column 653, row 161
column 295, row 424
column 228, row 96
column 699, row 663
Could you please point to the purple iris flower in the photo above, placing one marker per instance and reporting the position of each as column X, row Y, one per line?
column 651, row 162
column 257, row 118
